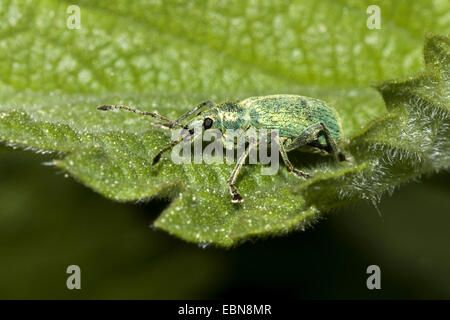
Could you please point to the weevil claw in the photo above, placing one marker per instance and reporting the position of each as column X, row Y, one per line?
column 341, row 157
column 301, row 174
column 237, row 198
column 156, row 159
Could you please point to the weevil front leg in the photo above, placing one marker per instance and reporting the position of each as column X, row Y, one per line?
column 311, row 134
column 289, row 165
column 236, row 197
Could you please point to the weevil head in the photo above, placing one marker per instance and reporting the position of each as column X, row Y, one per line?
column 222, row 117
column 227, row 115
column 204, row 121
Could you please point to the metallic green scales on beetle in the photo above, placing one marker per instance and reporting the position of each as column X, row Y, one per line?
column 300, row 121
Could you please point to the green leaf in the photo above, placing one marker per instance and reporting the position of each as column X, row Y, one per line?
column 170, row 57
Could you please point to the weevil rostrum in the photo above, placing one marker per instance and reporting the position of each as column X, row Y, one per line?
column 300, row 121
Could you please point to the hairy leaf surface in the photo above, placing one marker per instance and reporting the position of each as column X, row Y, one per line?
column 171, row 56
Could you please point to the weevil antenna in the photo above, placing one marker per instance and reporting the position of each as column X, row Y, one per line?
column 145, row 113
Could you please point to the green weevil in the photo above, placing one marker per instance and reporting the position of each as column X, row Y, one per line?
column 300, row 121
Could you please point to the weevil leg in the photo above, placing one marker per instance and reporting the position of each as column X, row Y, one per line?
column 289, row 165
column 236, row 197
column 174, row 143
column 311, row 134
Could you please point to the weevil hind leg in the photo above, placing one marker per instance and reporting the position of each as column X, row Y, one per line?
column 310, row 136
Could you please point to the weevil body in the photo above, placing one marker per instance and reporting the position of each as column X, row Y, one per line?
column 300, row 121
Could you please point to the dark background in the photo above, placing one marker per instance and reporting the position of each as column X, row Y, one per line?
column 49, row 221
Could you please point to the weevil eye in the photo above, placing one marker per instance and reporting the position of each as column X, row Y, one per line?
column 207, row 123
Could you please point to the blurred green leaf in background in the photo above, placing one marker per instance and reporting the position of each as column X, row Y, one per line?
column 170, row 56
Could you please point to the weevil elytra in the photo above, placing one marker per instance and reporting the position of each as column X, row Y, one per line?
column 300, row 121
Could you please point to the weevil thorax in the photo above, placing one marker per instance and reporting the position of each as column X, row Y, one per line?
column 232, row 115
